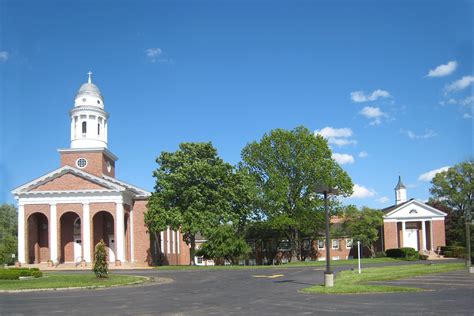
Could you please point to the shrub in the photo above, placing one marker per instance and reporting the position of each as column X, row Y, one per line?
column 448, row 254
column 16, row 273
column 423, row 257
column 101, row 269
column 380, row 254
column 406, row 253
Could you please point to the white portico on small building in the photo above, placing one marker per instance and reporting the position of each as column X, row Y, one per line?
column 412, row 223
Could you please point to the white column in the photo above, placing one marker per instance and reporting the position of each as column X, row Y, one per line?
column 174, row 242
column 423, row 235
column 162, row 235
column 431, row 236
column 21, row 234
column 178, row 237
column 86, row 231
column 403, row 233
column 168, row 240
column 53, row 233
column 132, row 246
column 119, row 232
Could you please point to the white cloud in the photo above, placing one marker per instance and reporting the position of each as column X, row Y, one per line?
column 383, row 199
column 427, row 176
column 373, row 113
column 460, row 84
column 157, row 55
column 4, row 56
column 427, row 134
column 467, row 101
column 443, row 70
column 337, row 136
column 343, row 158
column 360, row 96
column 361, row 192
column 467, row 116
column 363, row 154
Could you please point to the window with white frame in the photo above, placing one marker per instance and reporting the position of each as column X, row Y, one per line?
column 349, row 243
column 335, row 243
column 321, row 243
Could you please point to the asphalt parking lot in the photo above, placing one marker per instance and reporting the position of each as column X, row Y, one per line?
column 247, row 292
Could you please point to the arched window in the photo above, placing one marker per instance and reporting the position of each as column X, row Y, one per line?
column 77, row 227
column 84, row 127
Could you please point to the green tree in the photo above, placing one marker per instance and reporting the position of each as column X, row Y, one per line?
column 101, row 268
column 224, row 244
column 8, row 233
column 195, row 192
column 363, row 226
column 287, row 164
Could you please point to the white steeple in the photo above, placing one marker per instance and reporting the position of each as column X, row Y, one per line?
column 400, row 192
column 88, row 118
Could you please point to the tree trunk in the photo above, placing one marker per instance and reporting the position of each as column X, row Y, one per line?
column 192, row 251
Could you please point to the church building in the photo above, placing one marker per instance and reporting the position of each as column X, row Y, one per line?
column 62, row 215
column 412, row 223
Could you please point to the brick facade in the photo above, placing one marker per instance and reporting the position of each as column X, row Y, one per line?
column 68, row 182
column 96, row 162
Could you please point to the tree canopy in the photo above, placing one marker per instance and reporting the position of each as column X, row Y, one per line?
column 8, row 233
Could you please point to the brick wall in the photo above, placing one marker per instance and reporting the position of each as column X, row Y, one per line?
column 68, row 182
column 96, row 162
column 439, row 238
column 390, row 235
column 141, row 238
column 37, row 233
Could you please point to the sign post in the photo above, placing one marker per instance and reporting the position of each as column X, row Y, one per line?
column 358, row 255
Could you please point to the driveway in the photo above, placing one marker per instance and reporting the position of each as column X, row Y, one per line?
column 249, row 292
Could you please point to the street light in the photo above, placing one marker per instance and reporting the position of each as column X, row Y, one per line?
column 326, row 190
column 468, row 238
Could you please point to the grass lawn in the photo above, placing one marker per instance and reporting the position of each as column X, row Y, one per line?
column 350, row 282
column 288, row 265
column 59, row 280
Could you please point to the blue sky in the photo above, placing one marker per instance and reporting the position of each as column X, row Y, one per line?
column 229, row 71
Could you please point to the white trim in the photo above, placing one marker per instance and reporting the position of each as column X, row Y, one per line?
column 352, row 243
column 403, row 234
column 162, row 244
column 413, row 219
column 423, row 235
column 111, row 197
column 173, row 246
column 129, row 186
column 119, row 214
column 178, row 237
column 21, row 234
column 132, row 241
column 53, row 232
column 107, row 152
column 338, row 244
column 420, row 204
column 168, row 240
column 86, row 231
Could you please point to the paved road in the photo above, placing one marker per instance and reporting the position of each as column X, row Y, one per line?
column 249, row 292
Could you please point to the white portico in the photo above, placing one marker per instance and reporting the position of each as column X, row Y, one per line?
column 412, row 224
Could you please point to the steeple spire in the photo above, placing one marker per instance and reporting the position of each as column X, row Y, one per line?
column 90, row 77
column 400, row 192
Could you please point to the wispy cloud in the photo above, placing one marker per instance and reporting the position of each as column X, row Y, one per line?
column 427, row 176
column 363, row 154
column 467, row 101
column 443, row 70
column 374, row 114
column 156, row 54
column 427, row 134
column 4, row 55
column 337, row 136
column 360, row 96
column 361, row 192
column 467, row 116
column 383, row 199
column 343, row 159
column 459, row 85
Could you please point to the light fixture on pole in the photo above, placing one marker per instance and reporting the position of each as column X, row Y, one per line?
column 326, row 190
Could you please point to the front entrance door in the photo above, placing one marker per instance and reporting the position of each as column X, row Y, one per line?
column 411, row 238
column 111, row 248
column 77, row 249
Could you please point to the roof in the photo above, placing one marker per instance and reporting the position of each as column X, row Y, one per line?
column 391, row 208
column 400, row 185
column 89, row 89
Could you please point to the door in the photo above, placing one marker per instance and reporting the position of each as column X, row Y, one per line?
column 77, row 249
column 411, row 238
column 111, row 248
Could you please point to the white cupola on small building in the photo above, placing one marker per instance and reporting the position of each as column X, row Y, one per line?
column 400, row 192
column 88, row 118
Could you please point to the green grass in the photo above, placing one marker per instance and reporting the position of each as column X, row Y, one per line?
column 350, row 282
column 288, row 265
column 59, row 280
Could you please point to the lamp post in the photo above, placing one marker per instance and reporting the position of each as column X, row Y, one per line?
column 328, row 274
column 468, row 239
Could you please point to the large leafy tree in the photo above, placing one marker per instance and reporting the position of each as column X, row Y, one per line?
column 363, row 226
column 8, row 233
column 287, row 164
column 195, row 192
column 455, row 189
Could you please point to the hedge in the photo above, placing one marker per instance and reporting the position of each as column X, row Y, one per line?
column 407, row 253
column 16, row 273
column 453, row 251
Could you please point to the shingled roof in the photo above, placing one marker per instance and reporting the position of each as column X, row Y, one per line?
column 391, row 208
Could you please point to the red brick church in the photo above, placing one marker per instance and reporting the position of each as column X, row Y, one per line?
column 62, row 215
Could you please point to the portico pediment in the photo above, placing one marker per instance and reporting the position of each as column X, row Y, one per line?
column 413, row 209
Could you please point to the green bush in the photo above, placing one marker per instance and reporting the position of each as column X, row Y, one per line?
column 101, row 269
column 448, row 254
column 380, row 254
column 423, row 257
column 454, row 251
column 406, row 253
column 16, row 273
